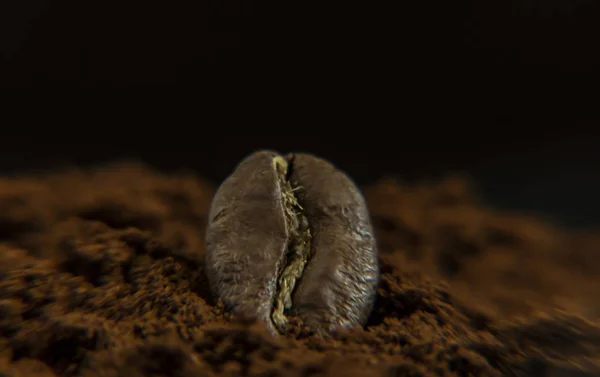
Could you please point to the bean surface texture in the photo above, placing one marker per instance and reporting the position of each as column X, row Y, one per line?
column 291, row 235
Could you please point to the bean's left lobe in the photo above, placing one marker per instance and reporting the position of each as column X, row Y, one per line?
column 246, row 239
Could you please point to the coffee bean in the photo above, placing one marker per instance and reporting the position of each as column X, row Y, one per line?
column 291, row 235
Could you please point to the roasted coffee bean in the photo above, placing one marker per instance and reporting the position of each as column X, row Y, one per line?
column 292, row 235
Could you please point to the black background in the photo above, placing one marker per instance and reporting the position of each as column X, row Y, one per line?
column 503, row 90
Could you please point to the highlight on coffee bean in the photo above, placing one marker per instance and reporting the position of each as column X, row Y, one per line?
column 291, row 236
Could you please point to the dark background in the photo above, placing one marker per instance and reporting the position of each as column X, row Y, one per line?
column 503, row 90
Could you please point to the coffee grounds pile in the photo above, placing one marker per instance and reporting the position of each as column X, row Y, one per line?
column 102, row 274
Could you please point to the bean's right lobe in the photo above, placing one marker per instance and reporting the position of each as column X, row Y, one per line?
column 338, row 286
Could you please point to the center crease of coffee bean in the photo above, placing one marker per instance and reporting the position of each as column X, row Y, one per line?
column 298, row 248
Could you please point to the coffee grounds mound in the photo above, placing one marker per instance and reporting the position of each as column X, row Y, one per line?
column 102, row 274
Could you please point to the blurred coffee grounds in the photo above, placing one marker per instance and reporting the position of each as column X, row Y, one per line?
column 101, row 274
